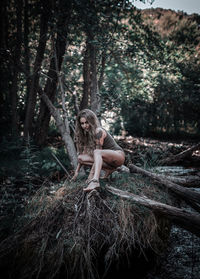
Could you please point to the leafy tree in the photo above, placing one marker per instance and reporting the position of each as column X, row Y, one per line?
column 110, row 56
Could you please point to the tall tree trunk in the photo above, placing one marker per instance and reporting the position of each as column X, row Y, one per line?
column 94, row 93
column 51, row 84
column 91, row 84
column 103, row 64
column 50, row 91
column 3, row 25
column 86, row 78
column 17, row 56
column 26, row 47
column 30, row 108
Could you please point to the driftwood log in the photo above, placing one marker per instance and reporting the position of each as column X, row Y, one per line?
column 181, row 217
column 188, row 195
column 180, row 156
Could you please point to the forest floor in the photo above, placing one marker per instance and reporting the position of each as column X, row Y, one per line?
column 181, row 260
column 182, row 257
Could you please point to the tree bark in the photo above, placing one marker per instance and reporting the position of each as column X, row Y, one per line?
column 26, row 48
column 86, row 79
column 50, row 91
column 17, row 56
column 181, row 217
column 51, row 84
column 3, row 26
column 31, row 102
column 179, row 157
column 103, row 64
column 91, row 83
column 185, row 193
column 187, row 181
column 94, row 91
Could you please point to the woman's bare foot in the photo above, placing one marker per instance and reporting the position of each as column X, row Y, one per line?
column 89, row 179
column 93, row 185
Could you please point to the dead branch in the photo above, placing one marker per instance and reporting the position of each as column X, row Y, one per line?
column 58, row 161
column 181, row 217
column 63, row 128
column 178, row 157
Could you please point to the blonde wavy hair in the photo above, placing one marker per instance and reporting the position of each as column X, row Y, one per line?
column 85, row 139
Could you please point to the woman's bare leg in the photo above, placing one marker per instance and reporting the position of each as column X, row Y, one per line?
column 111, row 157
column 87, row 160
column 108, row 157
column 91, row 174
column 107, row 172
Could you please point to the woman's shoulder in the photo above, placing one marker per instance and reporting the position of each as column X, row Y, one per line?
column 100, row 132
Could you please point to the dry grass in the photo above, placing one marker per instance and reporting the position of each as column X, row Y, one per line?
column 71, row 231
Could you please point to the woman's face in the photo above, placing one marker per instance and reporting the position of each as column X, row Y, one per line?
column 84, row 124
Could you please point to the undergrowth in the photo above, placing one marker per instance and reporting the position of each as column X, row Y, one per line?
column 24, row 161
column 66, row 231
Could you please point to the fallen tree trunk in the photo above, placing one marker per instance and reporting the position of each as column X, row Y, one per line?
column 176, row 158
column 188, row 181
column 184, row 193
column 181, row 217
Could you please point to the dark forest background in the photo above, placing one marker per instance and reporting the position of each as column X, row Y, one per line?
column 140, row 67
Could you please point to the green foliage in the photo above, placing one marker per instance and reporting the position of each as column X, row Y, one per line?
column 151, row 77
column 48, row 165
column 163, row 97
column 23, row 161
column 158, row 97
column 29, row 163
column 135, row 117
column 149, row 158
column 179, row 27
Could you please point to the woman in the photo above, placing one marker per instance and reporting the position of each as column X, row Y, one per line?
column 96, row 148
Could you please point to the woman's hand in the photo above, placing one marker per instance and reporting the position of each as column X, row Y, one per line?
column 74, row 176
column 76, row 172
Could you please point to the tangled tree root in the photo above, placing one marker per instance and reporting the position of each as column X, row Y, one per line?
column 70, row 231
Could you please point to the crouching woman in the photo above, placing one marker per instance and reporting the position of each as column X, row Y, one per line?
column 96, row 148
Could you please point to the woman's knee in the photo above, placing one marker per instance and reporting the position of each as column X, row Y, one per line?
column 85, row 159
column 97, row 152
column 80, row 159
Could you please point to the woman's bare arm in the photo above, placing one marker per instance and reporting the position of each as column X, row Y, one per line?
column 76, row 172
